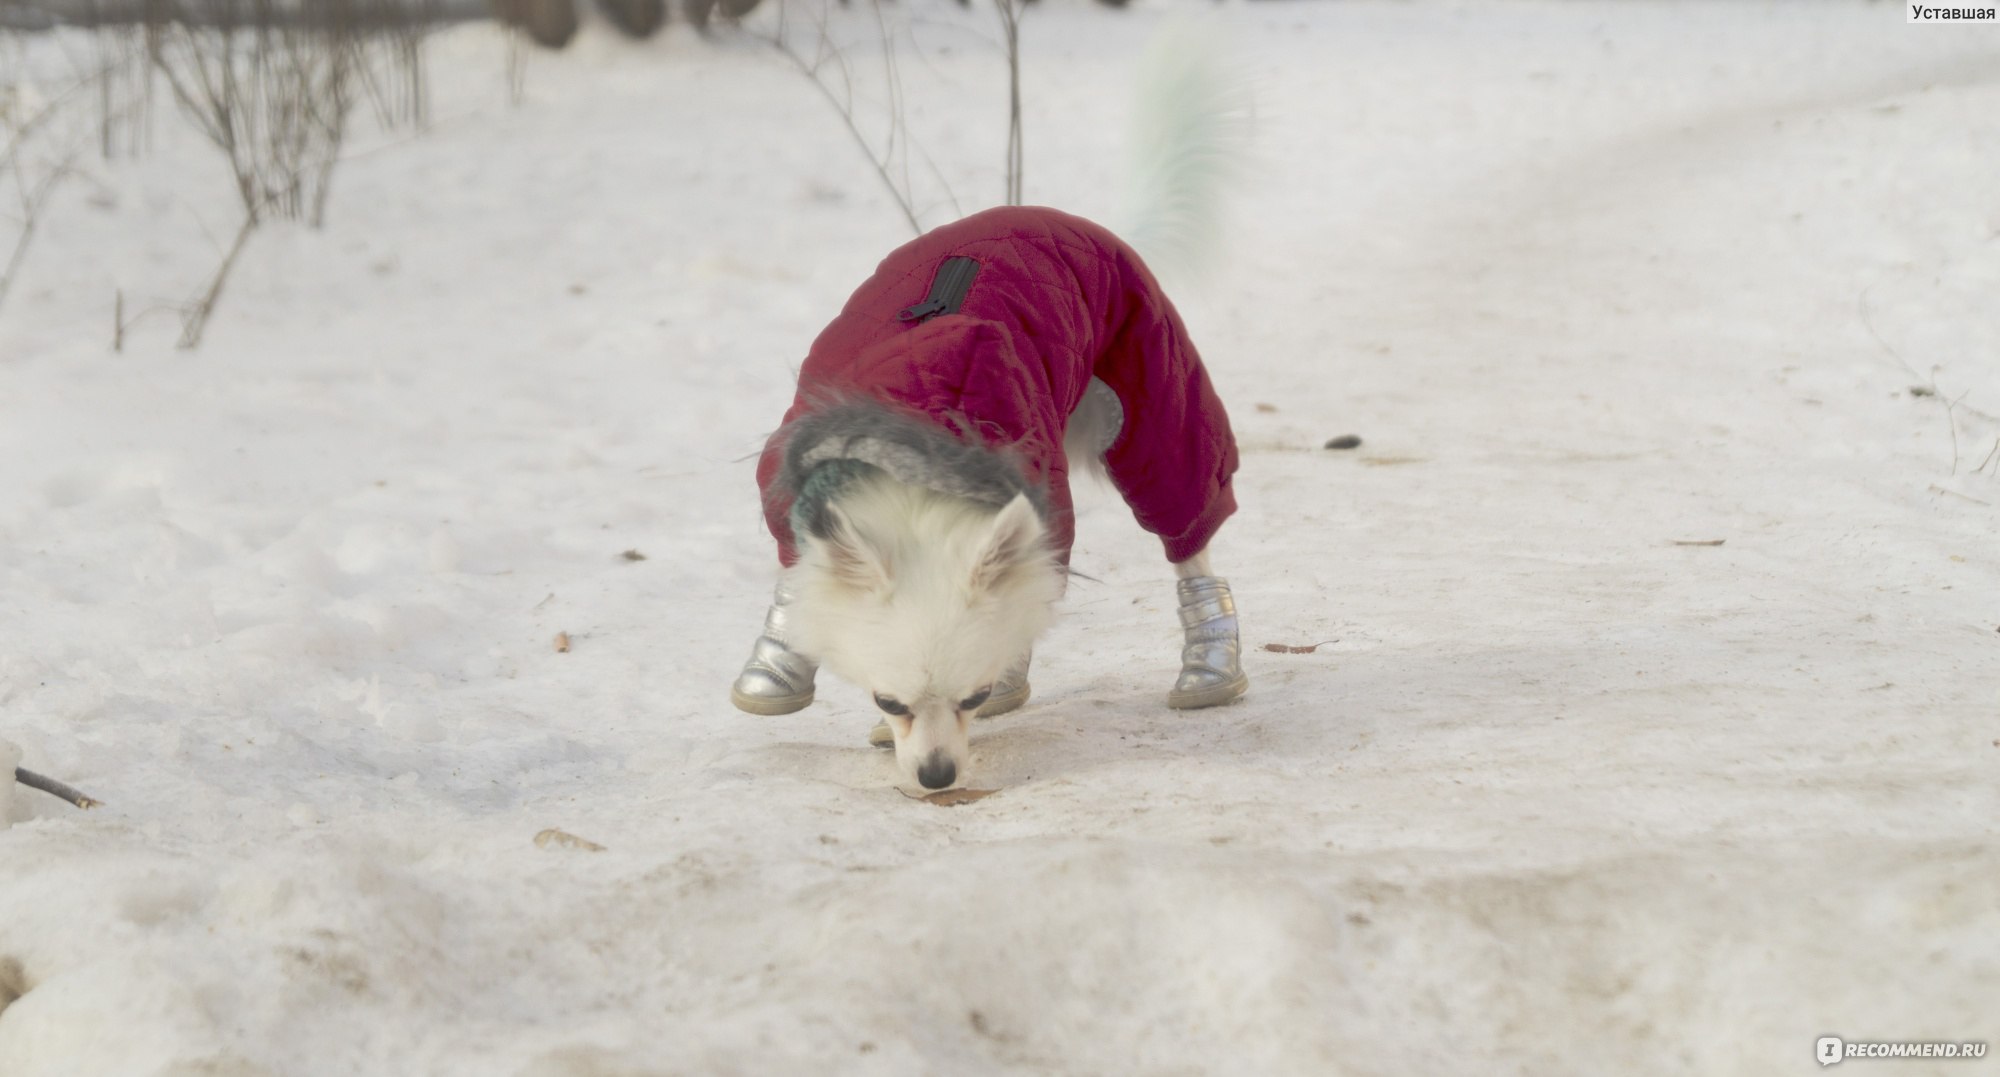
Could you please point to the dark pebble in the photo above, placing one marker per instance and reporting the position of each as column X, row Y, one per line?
column 1345, row 441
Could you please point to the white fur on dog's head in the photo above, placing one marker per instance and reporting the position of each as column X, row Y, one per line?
column 924, row 600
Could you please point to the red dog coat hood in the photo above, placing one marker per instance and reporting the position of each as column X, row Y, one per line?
column 1000, row 350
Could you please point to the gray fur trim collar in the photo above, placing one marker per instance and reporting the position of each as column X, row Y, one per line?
column 823, row 447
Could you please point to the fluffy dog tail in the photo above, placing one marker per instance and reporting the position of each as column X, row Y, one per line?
column 1192, row 121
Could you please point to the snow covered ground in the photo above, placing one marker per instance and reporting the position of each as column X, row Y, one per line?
column 1563, row 796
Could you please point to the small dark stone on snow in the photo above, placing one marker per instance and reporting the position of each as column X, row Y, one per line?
column 1344, row 441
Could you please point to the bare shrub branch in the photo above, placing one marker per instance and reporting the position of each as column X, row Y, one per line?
column 828, row 55
column 34, row 196
column 194, row 316
column 39, row 145
column 1010, row 25
column 273, row 86
column 1953, row 406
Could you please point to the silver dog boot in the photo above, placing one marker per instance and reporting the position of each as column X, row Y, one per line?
column 776, row 679
column 1212, row 661
column 1009, row 692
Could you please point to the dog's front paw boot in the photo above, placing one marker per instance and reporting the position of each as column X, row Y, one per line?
column 776, row 679
column 1009, row 693
column 1212, row 661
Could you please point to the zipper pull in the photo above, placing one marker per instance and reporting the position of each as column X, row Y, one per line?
column 948, row 288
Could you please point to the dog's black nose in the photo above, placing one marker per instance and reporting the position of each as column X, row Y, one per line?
column 937, row 771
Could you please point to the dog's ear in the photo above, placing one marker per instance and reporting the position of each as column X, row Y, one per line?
column 1014, row 541
column 854, row 558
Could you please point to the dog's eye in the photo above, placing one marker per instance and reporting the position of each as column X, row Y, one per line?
column 972, row 702
column 889, row 705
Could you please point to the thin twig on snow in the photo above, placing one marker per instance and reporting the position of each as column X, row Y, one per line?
column 55, row 788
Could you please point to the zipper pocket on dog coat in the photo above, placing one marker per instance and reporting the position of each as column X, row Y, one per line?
column 948, row 288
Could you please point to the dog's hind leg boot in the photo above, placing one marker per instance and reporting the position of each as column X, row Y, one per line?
column 776, row 679
column 1211, row 659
